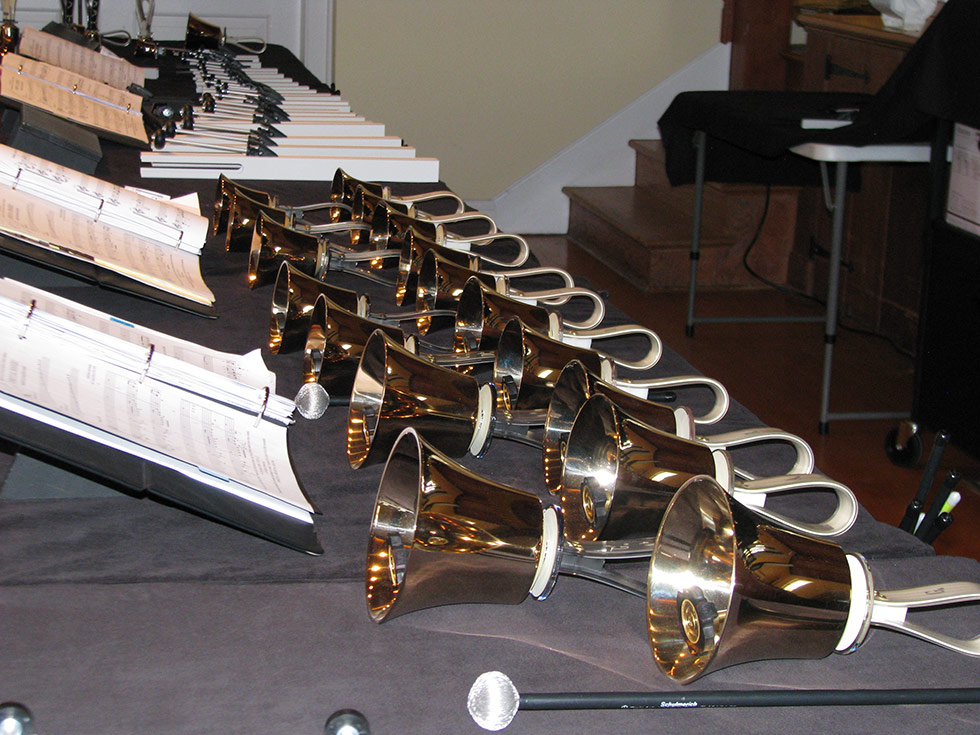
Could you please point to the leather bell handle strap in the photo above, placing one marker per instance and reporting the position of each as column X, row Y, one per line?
column 755, row 492
column 458, row 217
column 565, row 276
column 802, row 465
column 429, row 196
column 458, row 242
column 585, row 338
column 642, row 388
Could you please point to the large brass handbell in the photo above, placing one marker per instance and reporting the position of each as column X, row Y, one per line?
column 619, row 474
column 394, row 389
column 441, row 534
column 293, row 297
column 483, row 313
column 728, row 586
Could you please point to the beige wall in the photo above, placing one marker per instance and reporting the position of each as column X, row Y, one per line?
column 494, row 88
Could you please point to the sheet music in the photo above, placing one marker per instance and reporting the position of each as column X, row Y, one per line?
column 155, row 218
column 249, row 368
column 51, row 49
column 47, row 225
column 73, row 97
column 80, row 383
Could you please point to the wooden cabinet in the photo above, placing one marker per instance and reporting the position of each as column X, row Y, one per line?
column 881, row 280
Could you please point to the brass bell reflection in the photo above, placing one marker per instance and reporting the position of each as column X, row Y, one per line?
column 335, row 340
column 441, row 534
column 293, row 299
column 395, row 389
column 619, row 474
column 725, row 586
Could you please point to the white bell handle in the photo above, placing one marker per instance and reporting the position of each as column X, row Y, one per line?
column 742, row 437
column 643, row 388
column 585, row 337
column 557, row 325
column 755, row 492
column 458, row 242
column 889, row 609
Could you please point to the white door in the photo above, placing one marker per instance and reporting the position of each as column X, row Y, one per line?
column 305, row 27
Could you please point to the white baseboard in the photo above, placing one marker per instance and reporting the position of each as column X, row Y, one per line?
column 602, row 157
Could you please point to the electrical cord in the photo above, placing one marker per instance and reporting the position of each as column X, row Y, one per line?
column 796, row 292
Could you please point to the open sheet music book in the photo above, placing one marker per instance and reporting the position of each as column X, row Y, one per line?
column 110, row 112
column 118, row 237
column 151, row 411
column 60, row 52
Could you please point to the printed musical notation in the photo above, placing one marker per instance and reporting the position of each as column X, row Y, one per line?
column 147, row 241
column 96, row 65
column 109, row 111
column 149, row 395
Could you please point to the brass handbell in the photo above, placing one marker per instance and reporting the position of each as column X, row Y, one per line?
column 413, row 250
column 344, row 186
column 442, row 278
column 335, row 340
column 619, row 474
column 728, row 586
column 395, row 389
column 482, row 314
column 574, row 386
column 293, row 297
column 227, row 188
column 440, row 233
column 441, row 534
column 366, row 202
column 272, row 243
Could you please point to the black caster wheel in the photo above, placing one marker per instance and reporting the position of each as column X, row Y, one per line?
column 903, row 444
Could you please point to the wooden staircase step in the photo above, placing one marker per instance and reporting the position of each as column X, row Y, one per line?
column 653, row 217
column 644, row 234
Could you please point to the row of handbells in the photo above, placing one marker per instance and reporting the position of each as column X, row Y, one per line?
column 626, row 476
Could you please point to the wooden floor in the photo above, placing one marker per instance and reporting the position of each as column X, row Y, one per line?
column 774, row 369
